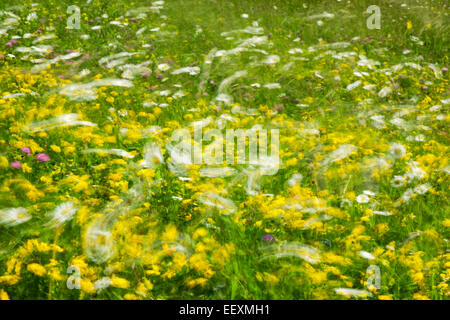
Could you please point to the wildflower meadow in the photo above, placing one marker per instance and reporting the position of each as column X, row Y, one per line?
column 212, row 149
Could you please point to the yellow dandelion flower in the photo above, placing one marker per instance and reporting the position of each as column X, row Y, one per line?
column 55, row 148
column 409, row 25
column 37, row 269
column 3, row 295
column 120, row 282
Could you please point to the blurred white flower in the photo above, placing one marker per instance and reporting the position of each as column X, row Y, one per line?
column 62, row 213
column 163, row 67
column 152, row 156
column 382, row 213
column 385, row 92
column 422, row 189
column 272, row 86
column 191, row 70
column 14, row 216
column 98, row 244
column 352, row 292
column 398, row 181
column 353, row 85
column 272, row 59
column 397, row 150
column 101, row 284
column 366, row 255
column 362, row 198
column 420, row 138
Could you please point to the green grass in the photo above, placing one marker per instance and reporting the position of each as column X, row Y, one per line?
column 165, row 248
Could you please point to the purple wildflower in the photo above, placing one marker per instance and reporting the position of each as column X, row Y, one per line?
column 26, row 150
column 16, row 165
column 268, row 237
column 42, row 157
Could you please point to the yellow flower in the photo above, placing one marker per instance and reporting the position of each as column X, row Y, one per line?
column 37, row 269
column 200, row 232
column 418, row 296
column 3, row 295
column 141, row 289
column 82, row 185
column 87, row 286
column 55, row 148
column 409, row 25
column 291, row 162
column 157, row 111
column 197, row 282
column 418, row 277
column 170, row 233
column 9, row 280
column 26, row 168
column 267, row 277
column 55, row 274
column 147, row 173
column 69, row 149
column 120, row 282
column 83, row 215
column 3, row 162
column 199, row 262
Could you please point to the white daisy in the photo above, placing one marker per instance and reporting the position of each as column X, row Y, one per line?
column 415, row 171
column 295, row 179
column 163, row 67
column 98, row 244
column 14, row 216
column 178, row 94
column 369, row 193
column 164, row 93
column 435, row 108
column 272, row 59
column 378, row 121
column 352, row 292
column 220, row 53
column 407, row 195
column 122, row 113
column 272, row 86
column 191, row 70
column 397, row 150
column 353, row 85
column 385, row 92
column 421, row 189
column 295, row 50
column 62, row 213
column 362, row 198
column 101, row 284
column 382, row 213
column 346, row 202
column 398, row 181
column 420, row 138
column 366, row 255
